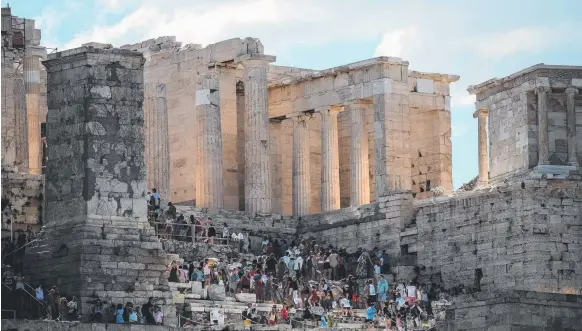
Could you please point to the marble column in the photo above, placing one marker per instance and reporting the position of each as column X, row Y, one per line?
column 32, row 83
column 209, row 143
column 300, row 174
column 157, row 139
column 258, row 187
column 571, row 125
column 543, row 147
column 20, row 126
column 330, row 186
column 481, row 115
column 360, row 180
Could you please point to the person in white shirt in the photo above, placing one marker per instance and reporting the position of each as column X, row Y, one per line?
column 298, row 264
column 225, row 234
column 410, row 293
column 347, row 307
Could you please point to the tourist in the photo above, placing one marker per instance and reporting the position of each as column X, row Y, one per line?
column 333, row 263
column 39, row 296
column 411, row 293
column 284, row 314
column 158, row 315
column 346, row 307
column 259, row 287
column 225, row 234
column 173, row 273
column 245, row 282
column 211, row 232
column 171, row 212
column 272, row 320
column 72, row 305
column 382, row 290
column 370, row 313
column 63, row 309
column 132, row 316
column 147, row 312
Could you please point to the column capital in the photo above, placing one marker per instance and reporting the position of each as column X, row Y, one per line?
column 572, row 90
column 35, row 51
column 330, row 109
column 255, row 59
column 542, row 89
column 483, row 112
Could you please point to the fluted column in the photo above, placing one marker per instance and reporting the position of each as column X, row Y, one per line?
column 300, row 174
column 258, row 189
column 571, row 125
column 157, row 139
column 360, row 180
column 543, row 147
column 209, row 145
column 32, row 82
column 481, row 115
column 330, row 186
column 20, row 126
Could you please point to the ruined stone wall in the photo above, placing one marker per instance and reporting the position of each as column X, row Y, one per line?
column 524, row 236
column 96, row 241
column 515, row 310
column 22, row 201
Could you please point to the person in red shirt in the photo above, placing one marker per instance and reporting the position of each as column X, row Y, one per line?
column 285, row 313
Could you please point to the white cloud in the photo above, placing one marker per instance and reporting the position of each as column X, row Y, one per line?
column 458, row 130
column 391, row 43
column 526, row 39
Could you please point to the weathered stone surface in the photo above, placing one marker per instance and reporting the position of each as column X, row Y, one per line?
column 216, row 292
column 97, row 243
column 246, row 297
column 21, row 201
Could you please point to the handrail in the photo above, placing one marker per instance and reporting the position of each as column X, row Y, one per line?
column 21, row 247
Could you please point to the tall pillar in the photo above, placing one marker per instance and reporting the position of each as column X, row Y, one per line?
column 543, row 148
column 301, row 174
column 360, row 180
column 157, row 139
column 571, row 125
column 258, row 189
column 330, row 186
column 481, row 115
column 20, row 126
column 32, row 82
column 209, row 146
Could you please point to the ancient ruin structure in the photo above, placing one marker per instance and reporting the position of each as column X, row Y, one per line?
column 23, row 112
column 346, row 156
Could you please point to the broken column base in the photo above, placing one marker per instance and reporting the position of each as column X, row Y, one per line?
column 114, row 259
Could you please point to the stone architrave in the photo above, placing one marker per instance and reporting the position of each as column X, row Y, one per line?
column 209, row 143
column 330, row 185
column 97, row 242
column 571, row 125
column 543, row 145
column 31, row 69
column 157, row 139
column 20, row 126
column 258, row 186
column 482, row 114
column 360, row 180
column 301, row 169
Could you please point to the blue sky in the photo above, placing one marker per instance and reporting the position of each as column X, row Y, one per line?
column 477, row 40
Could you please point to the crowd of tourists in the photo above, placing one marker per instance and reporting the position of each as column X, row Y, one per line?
column 149, row 313
column 317, row 281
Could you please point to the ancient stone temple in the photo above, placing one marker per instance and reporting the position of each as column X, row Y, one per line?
column 297, row 141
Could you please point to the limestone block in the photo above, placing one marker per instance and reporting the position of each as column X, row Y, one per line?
column 246, row 297
column 216, row 292
column 424, row 86
column 197, row 288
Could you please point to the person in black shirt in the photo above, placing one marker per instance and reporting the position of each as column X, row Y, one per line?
column 271, row 264
column 147, row 312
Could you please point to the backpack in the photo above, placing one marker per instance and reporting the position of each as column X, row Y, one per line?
column 152, row 201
